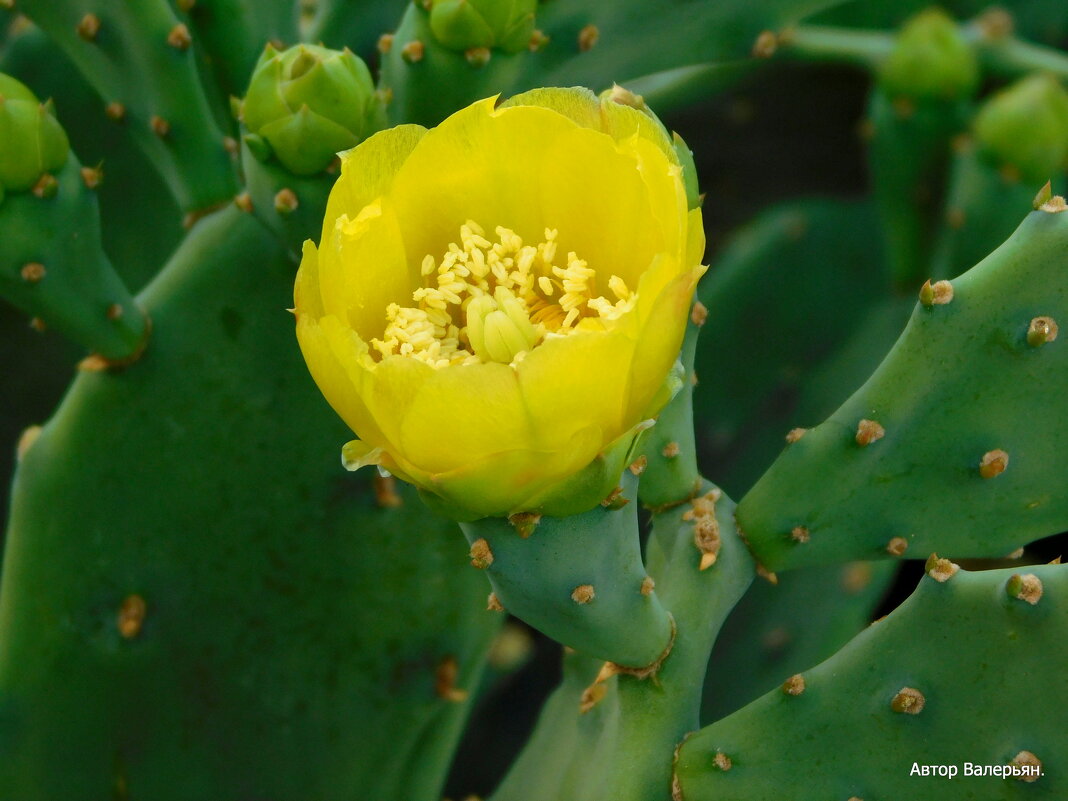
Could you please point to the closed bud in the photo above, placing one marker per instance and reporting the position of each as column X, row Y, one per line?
column 1026, row 126
column 32, row 142
column 464, row 25
column 930, row 60
column 307, row 103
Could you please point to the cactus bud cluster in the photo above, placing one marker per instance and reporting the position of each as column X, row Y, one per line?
column 31, row 140
column 931, row 60
column 1026, row 126
column 471, row 25
column 306, row 104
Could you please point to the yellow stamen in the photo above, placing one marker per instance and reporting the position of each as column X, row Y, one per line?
column 494, row 301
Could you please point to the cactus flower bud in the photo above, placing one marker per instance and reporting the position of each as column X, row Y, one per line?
column 1026, row 126
column 496, row 304
column 468, row 24
column 31, row 140
column 308, row 103
column 931, row 60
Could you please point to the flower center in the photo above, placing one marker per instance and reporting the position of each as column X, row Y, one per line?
column 494, row 301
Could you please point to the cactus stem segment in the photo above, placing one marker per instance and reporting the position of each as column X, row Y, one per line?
column 1027, row 587
column 88, row 27
column 800, row 535
column 993, row 463
column 908, row 701
column 445, row 681
column 795, row 685
column 1041, row 330
column 794, row 434
column 413, row 51
column 765, row 45
column 937, row 294
column 588, row 38
column 897, row 546
column 941, row 570
column 179, row 37
column 1027, row 759
column 131, row 616
column 583, row 594
column 481, row 555
column 493, row 603
column 32, row 272
column 869, row 431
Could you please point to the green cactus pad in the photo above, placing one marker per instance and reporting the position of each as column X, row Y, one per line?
column 780, row 629
column 962, row 673
column 173, row 631
column 618, row 745
column 908, row 157
column 796, row 263
column 166, row 108
column 52, row 266
column 966, row 403
column 983, row 206
column 578, row 579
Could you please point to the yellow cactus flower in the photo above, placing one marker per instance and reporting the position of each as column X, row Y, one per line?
column 496, row 304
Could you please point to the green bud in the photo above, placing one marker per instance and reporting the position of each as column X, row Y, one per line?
column 467, row 24
column 1026, row 126
column 31, row 140
column 930, row 60
column 307, row 103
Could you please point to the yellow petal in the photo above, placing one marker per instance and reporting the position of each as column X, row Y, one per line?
column 512, row 481
column 658, row 347
column 479, row 164
column 463, row 413
column 613, row 228
column 574, row 381
column 368, row 170
column 363, row 268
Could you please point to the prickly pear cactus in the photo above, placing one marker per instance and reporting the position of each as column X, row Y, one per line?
column 244, row 561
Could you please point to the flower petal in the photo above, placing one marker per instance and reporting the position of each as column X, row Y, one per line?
column 464, row 413
column 479, row 164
